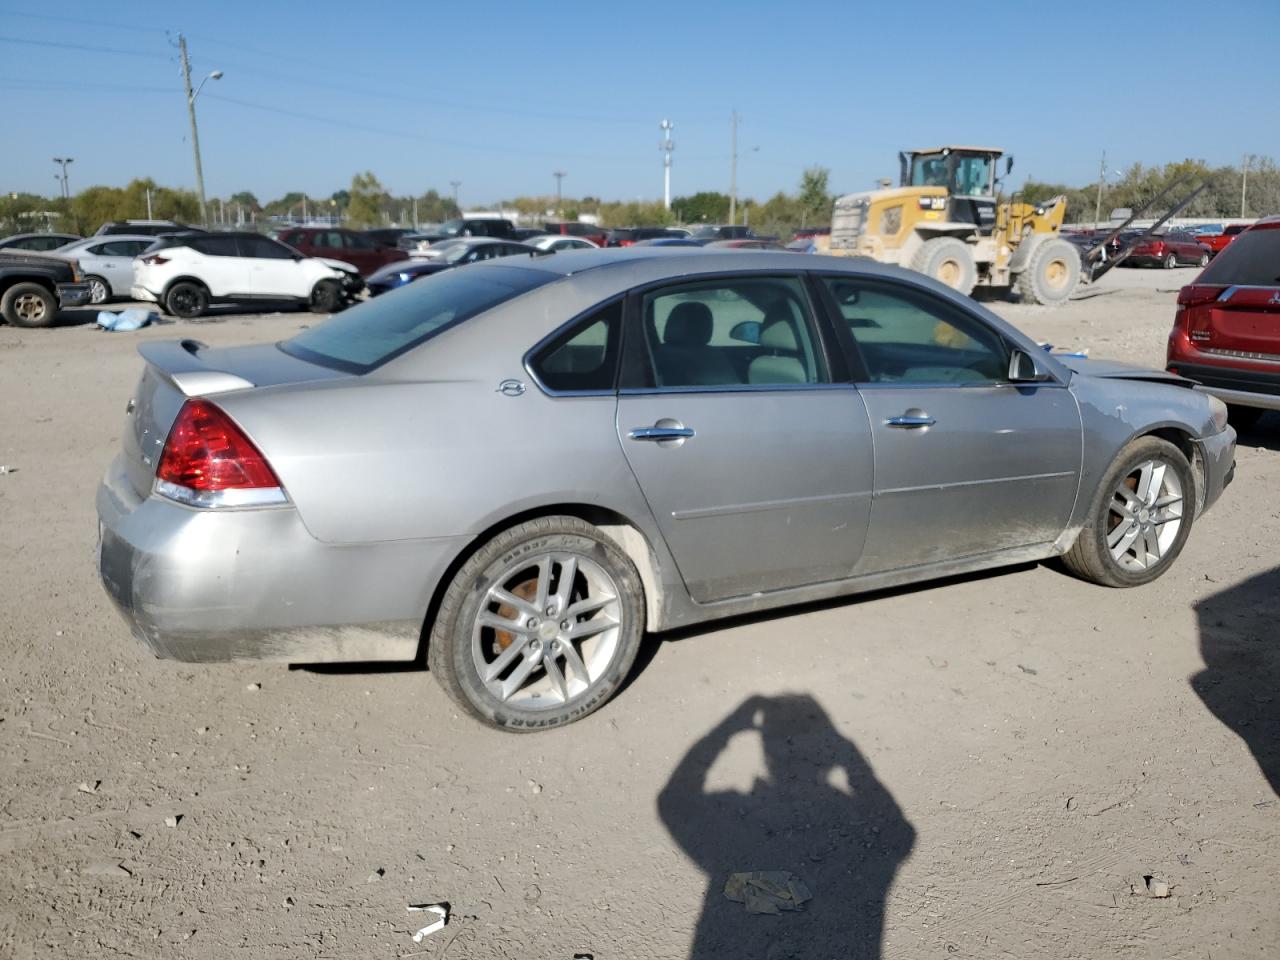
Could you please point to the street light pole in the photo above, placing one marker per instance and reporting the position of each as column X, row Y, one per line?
column 66, row 185
column 191, row 112
column 559, row 175
column 733, row 171
column 456, row 184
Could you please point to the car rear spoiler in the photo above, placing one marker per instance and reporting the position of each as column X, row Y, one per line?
column 178, row 362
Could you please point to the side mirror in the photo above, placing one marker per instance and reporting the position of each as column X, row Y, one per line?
column 1026, row 368
column 748, row 331
column 1008, row 165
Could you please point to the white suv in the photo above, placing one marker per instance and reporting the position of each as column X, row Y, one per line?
column 186, row 274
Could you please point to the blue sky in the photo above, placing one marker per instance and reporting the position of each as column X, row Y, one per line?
column 499, row 94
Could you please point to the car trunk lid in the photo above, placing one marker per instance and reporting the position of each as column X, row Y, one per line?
column 1243, row 320
column 179, row 369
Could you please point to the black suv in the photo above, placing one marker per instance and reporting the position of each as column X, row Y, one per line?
column 469, row 227
column 627, row 236
column 146, row 228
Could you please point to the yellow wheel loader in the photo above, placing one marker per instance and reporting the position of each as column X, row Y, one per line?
column 945, row 221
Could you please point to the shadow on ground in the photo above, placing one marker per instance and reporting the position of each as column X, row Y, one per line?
column 819, row 813
column 1240, row 684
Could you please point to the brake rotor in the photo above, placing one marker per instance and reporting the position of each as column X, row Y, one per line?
column 528, row 590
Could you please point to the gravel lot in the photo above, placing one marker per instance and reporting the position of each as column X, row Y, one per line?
column 994, row 763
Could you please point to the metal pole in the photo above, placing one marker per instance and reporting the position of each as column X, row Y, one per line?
column 1244, row 182
column 149, row 217
column 666, row 146
column 195, row 133
column 1102, row 175
column 456, row 184
column 559, row 175
column 733, row 171
column 415, row 213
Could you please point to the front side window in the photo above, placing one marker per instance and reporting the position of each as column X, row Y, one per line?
column 583, row 358
column 906, row 335
column 376, row 331
column 973, row 176
column 264, row 249
column 738, row 331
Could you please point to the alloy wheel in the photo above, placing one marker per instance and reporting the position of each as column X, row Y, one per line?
column 1145, row 515
column 547, row 630
column 97, row 291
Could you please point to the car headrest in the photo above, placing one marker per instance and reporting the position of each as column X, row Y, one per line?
column 688, row 325
column 779, row 334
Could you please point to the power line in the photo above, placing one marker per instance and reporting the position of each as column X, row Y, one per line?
column 84, row 47
column 82, row 22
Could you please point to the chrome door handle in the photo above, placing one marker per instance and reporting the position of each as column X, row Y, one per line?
column 660, row 433
column 910, row 419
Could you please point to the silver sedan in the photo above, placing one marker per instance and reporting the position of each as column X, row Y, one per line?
column 107, row 263
column 517, row 468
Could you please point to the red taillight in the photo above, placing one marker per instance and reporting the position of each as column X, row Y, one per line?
column 1195, row 293
column 626, row 243
column 206, row 455
column 155, row 259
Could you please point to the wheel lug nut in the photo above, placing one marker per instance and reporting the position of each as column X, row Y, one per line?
column 551, row 610
column 564, row 625
column 533, row 622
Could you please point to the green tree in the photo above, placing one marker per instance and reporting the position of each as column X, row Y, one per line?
column 707, row 206
column 368, row 198
column 246, row 199
column 815, row 196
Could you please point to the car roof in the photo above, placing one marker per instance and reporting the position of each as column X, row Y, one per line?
column 113, row 238
column 654, row 260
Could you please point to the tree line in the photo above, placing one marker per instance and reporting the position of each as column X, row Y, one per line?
column 367, row 203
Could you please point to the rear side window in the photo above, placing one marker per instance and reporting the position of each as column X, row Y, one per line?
column 1251, row 259
column 376, row 331
column 584, row 358
column 214, row 246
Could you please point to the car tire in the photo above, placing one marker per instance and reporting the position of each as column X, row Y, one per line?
column 187, row 300
column 29, row 305
column 1051, row 275
column 1203, row 261
column 326, row 297
column 99, row 290
column 1242, row 418
column 1126, row 540
column 1171, row 261
column 501, row 676
column 947, row 260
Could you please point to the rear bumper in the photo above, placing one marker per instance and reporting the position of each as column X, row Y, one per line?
column 254, row 584
column 1248, row 388
column 74, row 294
column 137, row 292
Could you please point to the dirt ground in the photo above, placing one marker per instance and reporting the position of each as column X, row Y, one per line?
column 988, row 767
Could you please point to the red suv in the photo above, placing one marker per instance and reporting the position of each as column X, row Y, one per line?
column 1226, row 332
column 336, row 243
column 1169, row 250
column 1217, row 242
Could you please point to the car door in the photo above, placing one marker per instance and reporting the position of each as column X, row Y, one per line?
column 360, row 252
column 222, row 267
column 274, row 270
column 116, row 263
column 966, row 462
column 754, row 459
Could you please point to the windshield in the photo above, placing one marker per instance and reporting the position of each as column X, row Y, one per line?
column 376, row 331
column 972, row 173
column 973, row 176
column 929, row 170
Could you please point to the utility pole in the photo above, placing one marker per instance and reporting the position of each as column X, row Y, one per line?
column 1244, row 181
column 456, row 184
column 66, row 187
column 195, row 133
column 415, row 213
column 559, row 175
column 1102, row 176
column 733, row 171
column 666, row 146
column 149, row 203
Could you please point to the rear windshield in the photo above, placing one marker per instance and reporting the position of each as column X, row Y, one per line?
column 369, row 335
column 1253, row 258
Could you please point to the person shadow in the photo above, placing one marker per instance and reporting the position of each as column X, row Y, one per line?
column 820, row 813
column 1240, row 683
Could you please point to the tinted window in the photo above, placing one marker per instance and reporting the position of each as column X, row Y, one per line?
column 585, row 357
column 909, row 336
column 356, row 242
column 376, row 331
column 121, row 248
column 264, row 248
column 1252, row 258
column 747, row 331
column 214, row 246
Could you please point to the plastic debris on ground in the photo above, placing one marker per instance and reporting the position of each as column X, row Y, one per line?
column 132, row 319
column 441, row 912
column 767, row 891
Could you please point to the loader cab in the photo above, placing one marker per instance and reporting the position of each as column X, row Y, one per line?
column 968, row 173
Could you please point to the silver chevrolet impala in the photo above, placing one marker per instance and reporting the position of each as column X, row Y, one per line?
column 519, row 467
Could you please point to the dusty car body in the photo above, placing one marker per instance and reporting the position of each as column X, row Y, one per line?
column 810, row 475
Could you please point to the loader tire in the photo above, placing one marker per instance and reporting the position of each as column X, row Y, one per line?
column 948, row 260
column 1052, row 274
